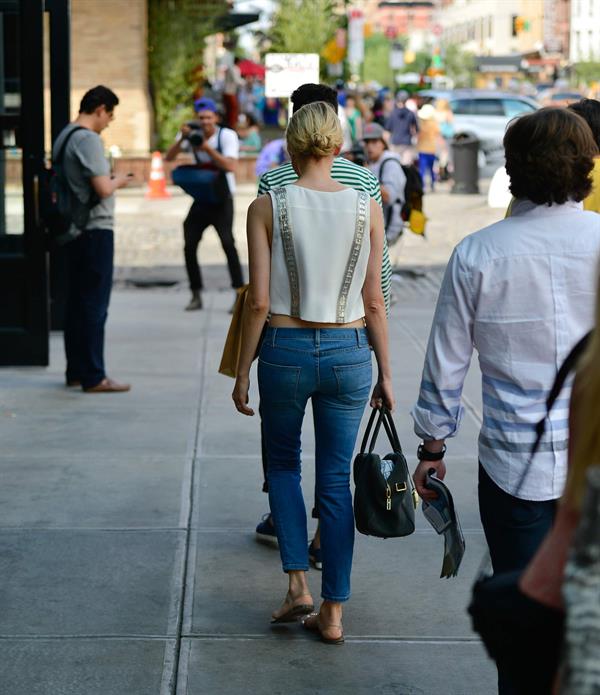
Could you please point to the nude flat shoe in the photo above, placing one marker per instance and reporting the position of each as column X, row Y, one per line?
column 295, row 611
column 313, row 624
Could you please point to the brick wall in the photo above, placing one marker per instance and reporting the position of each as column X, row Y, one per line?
column 109, row 46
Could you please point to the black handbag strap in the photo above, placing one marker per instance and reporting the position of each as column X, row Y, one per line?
column 384, row 417
column 565, row 369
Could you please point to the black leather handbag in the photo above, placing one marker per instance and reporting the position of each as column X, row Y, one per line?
column 385, row 498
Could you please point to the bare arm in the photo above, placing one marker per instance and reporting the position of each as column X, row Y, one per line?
column 225, row 163
column 258, row 226
column 375, row 316
column 175, row 148
column 105, row 186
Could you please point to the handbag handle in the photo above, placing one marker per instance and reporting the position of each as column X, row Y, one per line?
column 365, row 441
column 384, row 417
column 392, row 433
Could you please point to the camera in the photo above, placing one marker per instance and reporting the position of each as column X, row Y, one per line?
column 196, row 137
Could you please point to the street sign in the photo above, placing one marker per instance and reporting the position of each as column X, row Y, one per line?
column 287, row 71
column 356, row 37
column 397, row 57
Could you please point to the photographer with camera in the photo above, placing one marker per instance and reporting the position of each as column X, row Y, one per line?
column 213, row 148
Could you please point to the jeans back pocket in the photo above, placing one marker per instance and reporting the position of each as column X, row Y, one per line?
column 277, row 383
column 353, row 382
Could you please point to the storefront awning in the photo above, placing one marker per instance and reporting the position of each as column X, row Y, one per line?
column 235, row 19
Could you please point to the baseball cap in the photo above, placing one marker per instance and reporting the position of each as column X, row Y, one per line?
column 372, row 131
column 205, row 104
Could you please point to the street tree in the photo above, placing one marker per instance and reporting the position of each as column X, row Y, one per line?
column 459, row 65
column 177, row 30
column 303, row 26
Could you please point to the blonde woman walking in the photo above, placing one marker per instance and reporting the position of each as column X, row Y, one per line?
column 320, row 279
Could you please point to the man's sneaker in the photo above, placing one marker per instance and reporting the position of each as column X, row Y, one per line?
column 265, row 531
column 314, row 555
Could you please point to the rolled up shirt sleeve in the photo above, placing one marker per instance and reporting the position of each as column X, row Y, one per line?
column 438, row 412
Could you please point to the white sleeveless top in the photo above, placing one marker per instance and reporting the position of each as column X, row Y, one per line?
column 319, row 255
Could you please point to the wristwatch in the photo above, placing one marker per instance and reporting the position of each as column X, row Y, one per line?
column 424, row 455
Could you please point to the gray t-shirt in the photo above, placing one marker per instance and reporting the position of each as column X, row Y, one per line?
column 83, row 159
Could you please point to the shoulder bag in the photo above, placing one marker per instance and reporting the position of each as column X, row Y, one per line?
column 522, row 635
column 206, row 184
column 385, row 498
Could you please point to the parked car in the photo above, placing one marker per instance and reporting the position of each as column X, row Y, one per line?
column 483, row 113
column 559, row 97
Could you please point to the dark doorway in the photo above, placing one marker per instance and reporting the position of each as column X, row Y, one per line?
column 23, row 271
column 24, row 298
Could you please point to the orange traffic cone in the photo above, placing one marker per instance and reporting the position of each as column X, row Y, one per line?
column 157, row 185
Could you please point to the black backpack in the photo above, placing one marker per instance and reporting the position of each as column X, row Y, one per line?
column 413, row 190
column 58, row 201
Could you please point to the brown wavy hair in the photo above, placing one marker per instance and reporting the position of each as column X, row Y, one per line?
column 549, row 156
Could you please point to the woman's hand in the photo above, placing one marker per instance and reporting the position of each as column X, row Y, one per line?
column 240, row 395
column 383, row 395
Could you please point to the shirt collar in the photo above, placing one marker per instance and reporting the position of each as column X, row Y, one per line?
column 524, row 206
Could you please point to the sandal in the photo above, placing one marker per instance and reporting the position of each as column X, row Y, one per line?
column 295, row 611
column 312, row 623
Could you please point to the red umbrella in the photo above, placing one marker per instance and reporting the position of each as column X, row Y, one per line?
column 249, row 68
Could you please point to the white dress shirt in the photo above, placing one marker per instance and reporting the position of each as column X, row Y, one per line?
column 521, row 292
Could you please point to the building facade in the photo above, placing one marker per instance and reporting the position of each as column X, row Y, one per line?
column 109, row 45
column 488, row 27
column 411, row 21
column 585, row 30
column 557, row 27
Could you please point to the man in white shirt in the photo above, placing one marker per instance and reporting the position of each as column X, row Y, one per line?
column 521, row 292
column 218, row 149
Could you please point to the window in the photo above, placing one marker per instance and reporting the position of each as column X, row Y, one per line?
column 462, row 107
column 515, row 107
column 488, row 107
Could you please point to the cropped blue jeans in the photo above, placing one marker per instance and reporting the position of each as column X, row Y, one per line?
column 332, row 367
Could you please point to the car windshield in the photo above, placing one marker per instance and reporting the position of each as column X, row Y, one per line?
column 515, row 107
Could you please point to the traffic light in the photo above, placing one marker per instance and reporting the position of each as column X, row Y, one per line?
column 518, row 25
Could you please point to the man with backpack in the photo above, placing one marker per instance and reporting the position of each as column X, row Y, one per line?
column 387, row 167
column 85, row 177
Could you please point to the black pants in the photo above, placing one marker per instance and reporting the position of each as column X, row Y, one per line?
column 90, row 268
column 198, row 219
column 514, row 530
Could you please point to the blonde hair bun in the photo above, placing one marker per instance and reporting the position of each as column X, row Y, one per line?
column 314, row 131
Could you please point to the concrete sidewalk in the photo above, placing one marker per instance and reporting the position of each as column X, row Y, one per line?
column 127, row 552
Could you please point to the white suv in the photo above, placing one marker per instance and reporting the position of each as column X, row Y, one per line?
column 483, row 113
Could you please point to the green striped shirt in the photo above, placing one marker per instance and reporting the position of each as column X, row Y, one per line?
column 348, row 174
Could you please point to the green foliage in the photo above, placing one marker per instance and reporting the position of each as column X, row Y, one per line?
column 176, row 33
column 587, row 72
column 303, row 26
column 377, row 60
column 459, row 65
column 420, row 64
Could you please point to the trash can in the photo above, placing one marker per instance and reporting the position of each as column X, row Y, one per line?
column 465, row 150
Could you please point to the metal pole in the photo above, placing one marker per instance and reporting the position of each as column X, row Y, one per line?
column 2, row 151
column 60, row 64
